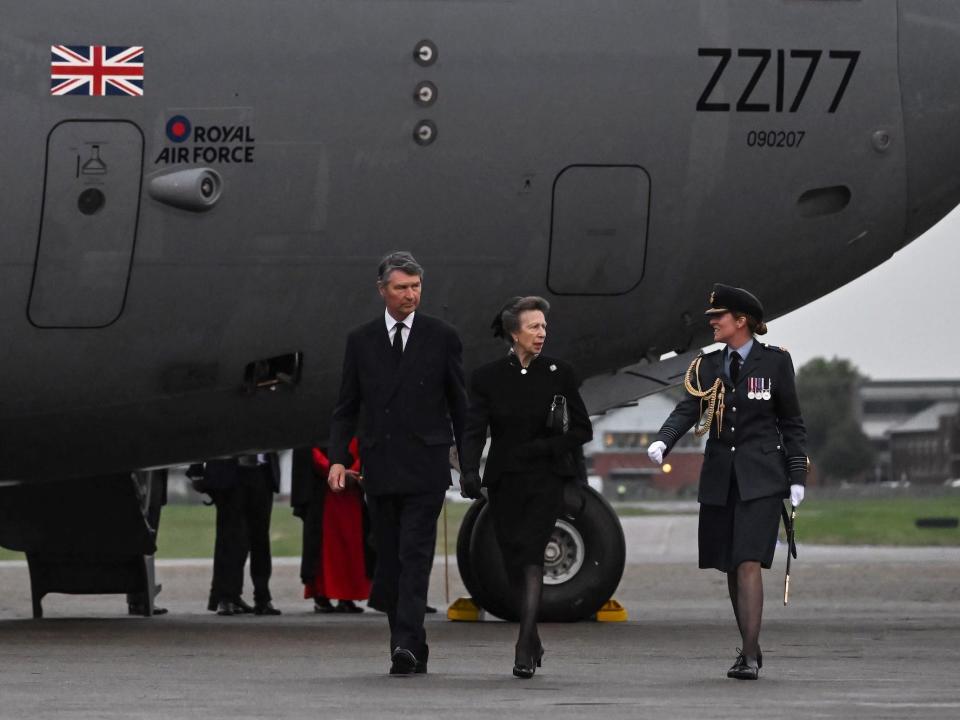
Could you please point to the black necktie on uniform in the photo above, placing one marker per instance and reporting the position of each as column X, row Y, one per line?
column 734, row 366
column 398, row 342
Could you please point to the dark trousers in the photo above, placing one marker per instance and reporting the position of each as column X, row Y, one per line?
column 311, row 548
column 243, row 526
column 154, row 494
column 405, row 534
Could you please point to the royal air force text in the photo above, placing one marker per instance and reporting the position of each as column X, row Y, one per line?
column 214, row 144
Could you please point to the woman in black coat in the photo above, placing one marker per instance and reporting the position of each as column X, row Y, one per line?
column 744, row 398
column 528, row 463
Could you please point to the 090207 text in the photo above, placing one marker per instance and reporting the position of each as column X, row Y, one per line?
column 775, row 138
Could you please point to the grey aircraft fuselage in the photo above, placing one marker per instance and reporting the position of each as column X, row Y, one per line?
column 616, row 157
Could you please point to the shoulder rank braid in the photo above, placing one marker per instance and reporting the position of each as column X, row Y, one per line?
column 711, row 400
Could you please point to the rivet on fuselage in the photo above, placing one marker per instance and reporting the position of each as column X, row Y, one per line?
column 425, row 53
column 425, row 132
column 881, row 140
column 426, row 94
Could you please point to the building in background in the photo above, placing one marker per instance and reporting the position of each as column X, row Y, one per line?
column 926, row 448
column 618, row 452
column 908, row 422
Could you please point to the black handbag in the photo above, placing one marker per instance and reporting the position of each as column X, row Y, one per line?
column 558, row 418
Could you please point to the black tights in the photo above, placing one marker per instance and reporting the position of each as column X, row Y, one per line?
column 531, row 586
column 746, row 595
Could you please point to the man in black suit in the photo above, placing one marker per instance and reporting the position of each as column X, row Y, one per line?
column 403, row 387
column 242, row 489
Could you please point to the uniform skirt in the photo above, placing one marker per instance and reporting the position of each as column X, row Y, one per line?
column 525, row 509
column 740, row 531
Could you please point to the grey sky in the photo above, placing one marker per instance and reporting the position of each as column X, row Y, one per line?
column 894, row 322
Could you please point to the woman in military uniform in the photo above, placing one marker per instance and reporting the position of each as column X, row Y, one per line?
column 528, row 462
column 743, row 397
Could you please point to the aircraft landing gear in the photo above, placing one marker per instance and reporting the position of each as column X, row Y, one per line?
column 583, row 561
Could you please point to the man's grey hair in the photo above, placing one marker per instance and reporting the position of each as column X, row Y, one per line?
column 510, row 314
column 400, row 260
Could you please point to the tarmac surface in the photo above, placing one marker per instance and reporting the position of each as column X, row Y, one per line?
column 868, row 633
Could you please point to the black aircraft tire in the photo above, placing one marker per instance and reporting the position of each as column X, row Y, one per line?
column 464, row 566
column 587, row 557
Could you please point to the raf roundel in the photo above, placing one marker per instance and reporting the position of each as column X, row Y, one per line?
column 178, row 128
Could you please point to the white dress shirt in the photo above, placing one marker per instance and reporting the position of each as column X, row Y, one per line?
column 392, row 326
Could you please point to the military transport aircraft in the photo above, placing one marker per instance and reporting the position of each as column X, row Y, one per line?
column 196, row 195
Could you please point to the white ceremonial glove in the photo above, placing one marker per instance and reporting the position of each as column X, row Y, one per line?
column 796, row 495
column 655, row 451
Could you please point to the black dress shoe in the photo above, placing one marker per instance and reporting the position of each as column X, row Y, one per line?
column 138, row 609
column 525, row 665
column 744, row 668
column 265, row 608
column 348, row 606
column 429, row 609
column 759, row 659
column 242, row 606
column 403, row 662
column 212, row 604
column 521, row 670
column 322, row 605
column 225, row 607
column 422, row 657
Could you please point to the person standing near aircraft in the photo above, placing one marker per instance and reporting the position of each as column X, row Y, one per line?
column 340, row 560
column 402, row 393
column 242, row 489
column 744, row 397
column 529, row 462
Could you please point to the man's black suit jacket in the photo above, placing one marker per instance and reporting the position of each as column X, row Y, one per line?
column 406, row 416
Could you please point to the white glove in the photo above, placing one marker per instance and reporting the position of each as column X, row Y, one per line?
column 655, row 451
column 796, row 495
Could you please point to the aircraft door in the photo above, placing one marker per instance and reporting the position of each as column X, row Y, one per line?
column 91, row 204
column 598, row 233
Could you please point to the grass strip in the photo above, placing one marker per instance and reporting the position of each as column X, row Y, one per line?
column 187, row 531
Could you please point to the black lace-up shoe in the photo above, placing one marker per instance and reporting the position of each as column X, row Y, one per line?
column 403, row 662
column 745, row 668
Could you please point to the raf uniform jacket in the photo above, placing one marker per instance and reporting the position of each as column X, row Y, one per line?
column 514, row 406
column 761, row 442
column 406, row 416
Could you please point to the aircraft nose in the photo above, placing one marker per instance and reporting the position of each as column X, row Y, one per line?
column 929, row 61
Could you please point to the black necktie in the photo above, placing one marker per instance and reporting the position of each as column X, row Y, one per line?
column 734, row 366
column 398, row 342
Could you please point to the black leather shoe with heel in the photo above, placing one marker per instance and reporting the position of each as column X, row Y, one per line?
column 526, row 664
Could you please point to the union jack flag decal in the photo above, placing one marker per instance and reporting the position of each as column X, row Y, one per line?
column 96, row 70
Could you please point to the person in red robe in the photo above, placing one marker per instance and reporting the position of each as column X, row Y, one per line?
column 341, row 565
